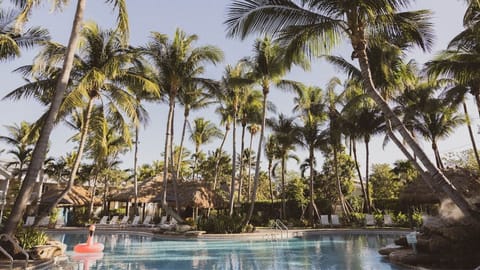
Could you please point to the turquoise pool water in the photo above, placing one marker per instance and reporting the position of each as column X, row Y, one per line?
column 342, row 252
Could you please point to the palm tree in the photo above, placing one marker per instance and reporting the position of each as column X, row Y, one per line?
column 302, row 27
column 268, row 66
column 40, row 150
column 271, row 153
column 178, row 65
column 310, row 105
column 249, row 111
column 203, row 132
column 253, row 129
column 12, row 41
column 287, row 135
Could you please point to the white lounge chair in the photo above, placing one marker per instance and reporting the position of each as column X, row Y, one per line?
column 103, row 221
column 168, row 225
column 113, row 221
column 123, row 221
column 135, row 221
column 29, row 221
column 147, row 221
column 335, row 220
column 324, row 220
column 369, row 220
column 387, row 220
column 44, row 221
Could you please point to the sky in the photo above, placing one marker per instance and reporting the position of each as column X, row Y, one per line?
column 205, row 18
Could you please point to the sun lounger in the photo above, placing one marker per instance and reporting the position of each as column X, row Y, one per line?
column 168, row 226
column 103, row 221
column 335, row 220
column 369, row 220
column 324, row 220
column 135, row 221
column 387, row 220
column 29, row 221
column 147, row 221
column 113, row 221
column 44, row 221
column 123, row 221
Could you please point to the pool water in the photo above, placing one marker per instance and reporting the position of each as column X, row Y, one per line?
column 132, row 252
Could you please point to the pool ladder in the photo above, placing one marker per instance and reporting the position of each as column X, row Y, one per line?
column 280, row 226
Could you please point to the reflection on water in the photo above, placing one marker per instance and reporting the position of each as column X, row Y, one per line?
column 134, row 252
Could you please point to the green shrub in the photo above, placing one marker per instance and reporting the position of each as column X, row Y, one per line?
column 378, row 217
column 401, row 219
column 417, row 218
column 30, row 237
column 221, row 224
column 357, row 219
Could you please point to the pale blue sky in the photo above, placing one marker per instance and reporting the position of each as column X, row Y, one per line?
column 204, row 18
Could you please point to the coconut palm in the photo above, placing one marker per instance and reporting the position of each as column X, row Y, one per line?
column 39, row 153
column 12, row 41
column 178, row 65
column 311, row 108
column 287, row 135
column 316, row 26
column 203, row 132
column 268, row 65
column 253, row 129
column 271, row 153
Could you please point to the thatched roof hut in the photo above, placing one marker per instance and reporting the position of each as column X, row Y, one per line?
column 147, row 191
column 192, row 194
column 464, row 180
column 78, row 196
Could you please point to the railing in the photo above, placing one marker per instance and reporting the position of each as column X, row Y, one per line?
column 281, row 227
column 15, row 245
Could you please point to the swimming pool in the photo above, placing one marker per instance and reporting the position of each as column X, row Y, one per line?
column 130, row 251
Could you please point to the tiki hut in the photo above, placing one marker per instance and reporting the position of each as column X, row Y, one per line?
column 78, row 196
column 418, row 193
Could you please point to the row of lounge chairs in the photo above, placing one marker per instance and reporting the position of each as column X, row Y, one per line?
column 44, row 222
column 147, row 222
column 369, row 220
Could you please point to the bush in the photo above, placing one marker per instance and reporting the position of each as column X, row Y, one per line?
column 30, row 237
column 221, row 224
column 417, row 218
column 357, row 219
column 401, row 219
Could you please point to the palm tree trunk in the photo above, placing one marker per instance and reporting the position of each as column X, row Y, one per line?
column 250, row 166
column 166, row 156
column 470, row 132
column 343, row 204
column 172, row 166
column 234, row 153
column 438, row 158
column 92, row 197
column 259, row 156
column 367, row 171
column 240, row 173
column 357, row 166
column 180, row 153
column 270, row 180
column 135, row 175
column 313, row 206
column 438, row 180
column 284, row 201
column 76, row 164
column 217, row 157
column 40, row 151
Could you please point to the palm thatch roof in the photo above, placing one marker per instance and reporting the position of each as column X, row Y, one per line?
column 78, row 196
column 467, row 182
column 192, row 194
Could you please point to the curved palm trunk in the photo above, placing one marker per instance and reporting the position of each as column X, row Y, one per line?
column 217, row 161
column 172, row 166
column 259, row 156
column 166, row 156
column 470, row 133
column 438, row 181
column 135, row 174
column 357, row 167
column 92, row 197
column 284, row 201
column 234, row 153
column 368, row 202
column 40, row 151
column 250, row 167
column 76, row 164
column 313, row 206
column 438, row 158
column 343, row 203
column 240, row 173
column 270, row 180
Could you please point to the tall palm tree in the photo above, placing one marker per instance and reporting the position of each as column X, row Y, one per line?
column 250, row 104
column 253, row 129
column 316, row 26
column 203, row 132
column 311, row 107
column 271, row 153
column 12, row 40
column 287, row 135
column 268, row 66
column 178, row 65
column 40, row 150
